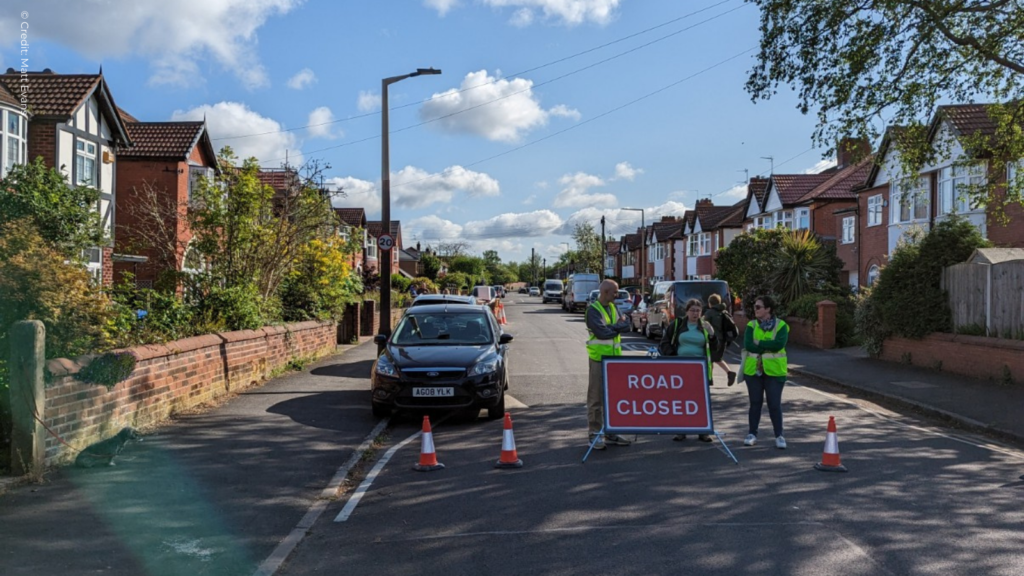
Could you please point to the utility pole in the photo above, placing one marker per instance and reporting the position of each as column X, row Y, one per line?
column 544, row 268
column 603, row 248
column 533, row 264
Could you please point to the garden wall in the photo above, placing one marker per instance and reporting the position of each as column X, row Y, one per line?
column 169, row 378
column 974, row 356
column 818, row 334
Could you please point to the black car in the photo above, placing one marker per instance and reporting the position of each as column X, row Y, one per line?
column 428, row 299
column 447, row 356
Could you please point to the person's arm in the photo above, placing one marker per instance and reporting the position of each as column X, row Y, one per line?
column 597, row 325
column 665, row 347
column 779, row 342
column 748, row 341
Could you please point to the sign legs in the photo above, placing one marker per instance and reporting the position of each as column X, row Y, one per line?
column 597, row 438
column 725, row 448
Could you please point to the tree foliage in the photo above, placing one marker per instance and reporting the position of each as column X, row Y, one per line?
column 863, row 66
column 587, row 257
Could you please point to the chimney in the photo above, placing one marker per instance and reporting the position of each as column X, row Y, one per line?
column 669, row 218
column 418, row 247
column 849, row 151
column 705, row 202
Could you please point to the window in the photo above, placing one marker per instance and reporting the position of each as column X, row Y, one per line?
column 954, row 187
column 783, row 218
column 1014, row 169
column 705, row 243
column 692, row 249
column 12, row 141
column 873, row 274
column 85, row 163
column 803, row 218
column 371, row 247
column 909, row 201
column 195, row 173
column 849, row 225
column 875, row 210
column 344, row 232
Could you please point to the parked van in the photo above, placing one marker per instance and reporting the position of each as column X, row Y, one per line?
column 577, row 288
column 668, row 299
column 552, row 291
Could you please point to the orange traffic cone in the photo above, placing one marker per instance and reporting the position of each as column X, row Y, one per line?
column 830, row 457
column 508, row 459
column 428, row 459
column 501, row 314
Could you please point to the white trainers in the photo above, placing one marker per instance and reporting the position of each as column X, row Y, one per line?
column 780, row 442
column 749, row 440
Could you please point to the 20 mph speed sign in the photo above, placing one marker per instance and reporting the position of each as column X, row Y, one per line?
column 385, row 242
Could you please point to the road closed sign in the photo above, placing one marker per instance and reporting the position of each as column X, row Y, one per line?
column 656, row 396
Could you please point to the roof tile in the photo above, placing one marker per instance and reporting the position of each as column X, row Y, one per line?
column 792, row 187
column 842, row 184
column 52, row 94
column 162, row 139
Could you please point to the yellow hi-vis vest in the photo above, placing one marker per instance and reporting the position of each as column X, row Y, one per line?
column 774, row 363
column 598, row 349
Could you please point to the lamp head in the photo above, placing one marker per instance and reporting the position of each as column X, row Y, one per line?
column 425, row 71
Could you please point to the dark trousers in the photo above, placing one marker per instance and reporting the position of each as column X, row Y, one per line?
column 760, row 387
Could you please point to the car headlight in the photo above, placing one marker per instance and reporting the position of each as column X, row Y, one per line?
column 485, row 366
column 385, row 367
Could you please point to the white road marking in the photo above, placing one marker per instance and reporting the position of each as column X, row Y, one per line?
column 350, row 506
column 511, row 402
column 273, row 562
column 585, row 528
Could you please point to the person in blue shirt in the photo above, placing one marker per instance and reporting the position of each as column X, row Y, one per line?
column 689, row 335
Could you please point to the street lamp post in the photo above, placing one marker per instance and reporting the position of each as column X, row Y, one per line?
column 385, row 199
column 643, row 241
column 567, row 250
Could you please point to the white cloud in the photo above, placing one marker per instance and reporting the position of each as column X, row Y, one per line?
column 302, row 79
column 735, row 193
column 542, row 184
column 625, row 171
column 504, row 248
column 227, row 119
column 576, row 192
column 501, row 110
column 821, row 166
column 565, row 112
column 529, row 199
column 321, row 121
column 368, row 101
column 566, row 12
column 175, row 35
column 431, row 228
column 358, row 194
column 619, row 221
column 413, row 187
column 514, row 225
column 442, row 6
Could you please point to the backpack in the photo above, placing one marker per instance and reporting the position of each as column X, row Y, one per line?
column 729, row 327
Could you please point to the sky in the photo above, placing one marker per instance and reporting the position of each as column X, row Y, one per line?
column 547, row 112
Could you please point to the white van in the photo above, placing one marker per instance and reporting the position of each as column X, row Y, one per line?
column 577, row 289
column 552, row 291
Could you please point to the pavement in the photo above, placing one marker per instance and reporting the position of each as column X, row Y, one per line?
column 973, row 404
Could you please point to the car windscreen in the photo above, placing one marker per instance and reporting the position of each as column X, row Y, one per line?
column 622, row 295
column 443, row 328
column 553, row 286
column 683, row 291
column 421, row 301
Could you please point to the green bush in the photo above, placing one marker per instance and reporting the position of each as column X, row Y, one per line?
column 320, row 283
column 806, row 307
column 400, row 283
column 164, row 316
column 109, row 369
column 234, row 308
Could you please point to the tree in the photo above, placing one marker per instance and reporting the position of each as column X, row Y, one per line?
column 865, row 65
column 805, row 265
column 588, row 254
column 472, row 266
column 451, row 249
column 66, row 217
column 504, row 275
column 431, row 265
column 491, row 258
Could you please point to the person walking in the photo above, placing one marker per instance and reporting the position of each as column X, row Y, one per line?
column 605, row 328
column 689, row 335
column 765, row 367
column 716, row 316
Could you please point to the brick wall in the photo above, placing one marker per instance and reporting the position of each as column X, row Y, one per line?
column 169, row 378
column 818, row 334
column 42, row 141
column 973, row 356
column 872, row 241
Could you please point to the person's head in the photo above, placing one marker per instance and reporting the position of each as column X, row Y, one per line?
column 714, row 300
column 608, row 288
column 764, row 307
column 692, row 309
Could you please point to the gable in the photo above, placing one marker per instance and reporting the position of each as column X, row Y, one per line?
column 752, row 208
column 696, row 226
column 945, row 139
column 774, row 202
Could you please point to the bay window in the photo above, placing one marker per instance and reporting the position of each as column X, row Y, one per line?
column 909, row 200
column 955, row 184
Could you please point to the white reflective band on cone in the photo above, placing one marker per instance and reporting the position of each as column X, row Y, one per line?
column 428, row 443
column 508, row 442
column 831, row 443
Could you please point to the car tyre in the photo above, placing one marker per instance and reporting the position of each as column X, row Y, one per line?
column 498, row 410
column 380, row 411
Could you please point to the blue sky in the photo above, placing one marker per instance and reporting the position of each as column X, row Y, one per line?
column 517, row 158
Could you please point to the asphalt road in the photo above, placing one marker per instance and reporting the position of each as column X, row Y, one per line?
column 918, row 499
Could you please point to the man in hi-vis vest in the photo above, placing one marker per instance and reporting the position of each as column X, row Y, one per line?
column 604, row 325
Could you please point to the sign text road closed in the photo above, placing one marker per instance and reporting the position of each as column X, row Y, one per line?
column 656, row 395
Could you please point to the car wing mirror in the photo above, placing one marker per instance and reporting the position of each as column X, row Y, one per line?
column 504, row 339
column 380, row 339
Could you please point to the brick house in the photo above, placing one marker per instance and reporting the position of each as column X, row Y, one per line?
column 13, row 131
column 168, row 158
column 707, row 229
column 659, row 255
column 75, row 127
column 374, row 228
column 892, row 204
column 612, row 262
column 353, row 221
column 782, row 202
column 629, row 257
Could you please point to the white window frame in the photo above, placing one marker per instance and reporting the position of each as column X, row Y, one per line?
column 802, row 219
column 705, row 243
column 951, row 179
column 915, row 198
column 16, row 141
column 763, row 222
column 873, row 273
column 875, row 210
column 693, row 245
column 194, row 173
column 83, row 156
column 344, row 232
column 371, row 247
column 783, row 218
column 849, row 229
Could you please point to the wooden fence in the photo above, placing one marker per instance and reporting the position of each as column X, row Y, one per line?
column 988, row 295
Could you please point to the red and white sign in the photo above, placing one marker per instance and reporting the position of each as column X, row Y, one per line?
column 385, row 242
column 656, row 396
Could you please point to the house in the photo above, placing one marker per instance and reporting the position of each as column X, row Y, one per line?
column 374, row 256
column 165, row 163
column 707, row 228
column 353, row 221
column 409, row 261
column 659, row 256
column 629, row 257
column 74, row 125
column 13, row 131
column 893, row 204
column 612, row 262
column 782, row 206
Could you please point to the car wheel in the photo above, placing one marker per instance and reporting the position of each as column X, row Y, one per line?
column 380, row 411
column 498, row 410
column 647, row 332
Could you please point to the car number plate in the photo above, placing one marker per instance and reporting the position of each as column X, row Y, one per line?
column 433, row 392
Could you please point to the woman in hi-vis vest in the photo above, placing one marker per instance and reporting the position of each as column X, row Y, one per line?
column 765, row 367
